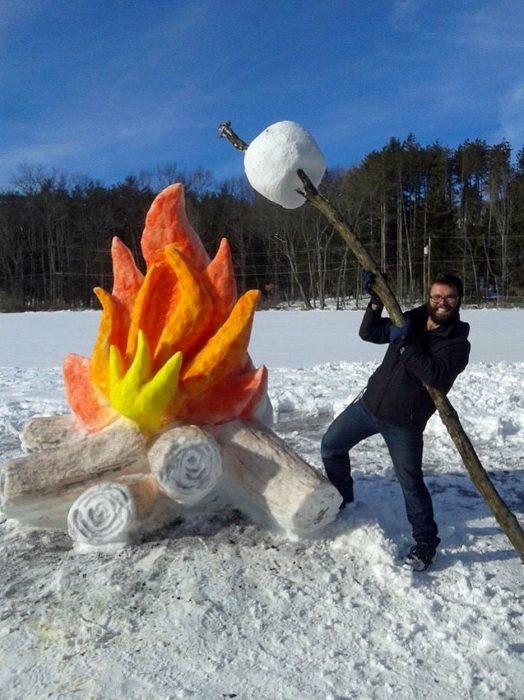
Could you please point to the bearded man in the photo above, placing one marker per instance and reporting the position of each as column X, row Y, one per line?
column 431, row 349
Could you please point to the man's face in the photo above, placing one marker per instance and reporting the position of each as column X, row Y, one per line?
column 443, row 303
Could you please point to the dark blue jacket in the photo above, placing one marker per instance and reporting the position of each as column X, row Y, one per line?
column 395, row 392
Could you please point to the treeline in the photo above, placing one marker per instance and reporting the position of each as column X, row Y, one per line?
column 419, row 210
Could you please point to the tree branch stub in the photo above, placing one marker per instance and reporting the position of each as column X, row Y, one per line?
column 225, row 131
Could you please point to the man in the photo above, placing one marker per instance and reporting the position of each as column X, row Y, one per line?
column 431, row 349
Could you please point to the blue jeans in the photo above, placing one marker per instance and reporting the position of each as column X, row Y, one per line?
column 405, row 445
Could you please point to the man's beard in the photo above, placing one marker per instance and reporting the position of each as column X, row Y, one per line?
column 442, row 319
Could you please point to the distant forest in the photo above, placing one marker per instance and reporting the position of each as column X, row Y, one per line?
column 418, row 210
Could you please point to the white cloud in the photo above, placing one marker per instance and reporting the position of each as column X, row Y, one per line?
column 405, row 15
column 14, row 13
column 512, row 116
column 495, row 25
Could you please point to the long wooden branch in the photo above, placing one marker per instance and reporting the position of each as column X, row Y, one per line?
column 506, row 519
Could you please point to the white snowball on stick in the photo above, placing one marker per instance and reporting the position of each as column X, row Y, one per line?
column 273, row 158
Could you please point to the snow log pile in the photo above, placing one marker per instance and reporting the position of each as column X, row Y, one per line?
column 108, row 487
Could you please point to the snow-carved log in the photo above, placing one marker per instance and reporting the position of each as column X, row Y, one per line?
column 272, row 485
column 187, row 463
column 108, row 516
column 38, row 489
column 46, row 432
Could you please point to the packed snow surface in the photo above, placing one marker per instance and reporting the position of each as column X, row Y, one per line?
column 273, row 158
column 220, row 609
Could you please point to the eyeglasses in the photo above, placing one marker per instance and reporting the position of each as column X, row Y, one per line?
column 448, row 298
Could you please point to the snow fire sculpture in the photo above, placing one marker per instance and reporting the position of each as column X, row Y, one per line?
column 168, row 412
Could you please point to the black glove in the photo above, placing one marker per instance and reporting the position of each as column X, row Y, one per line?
column 368, row 279
column 399, row 336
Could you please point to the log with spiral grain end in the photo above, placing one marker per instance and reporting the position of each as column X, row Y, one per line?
column 187, row 463
column 108, row 515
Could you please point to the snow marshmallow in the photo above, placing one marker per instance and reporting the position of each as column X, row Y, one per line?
column 273, row 158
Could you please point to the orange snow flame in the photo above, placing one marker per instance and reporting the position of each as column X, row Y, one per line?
column 171, row 345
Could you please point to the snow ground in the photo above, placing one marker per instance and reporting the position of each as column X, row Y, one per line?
column 219, row 609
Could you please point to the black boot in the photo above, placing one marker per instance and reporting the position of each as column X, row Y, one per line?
column 422, row 554
column 345, row 501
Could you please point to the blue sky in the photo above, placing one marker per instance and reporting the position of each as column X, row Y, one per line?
column 111, row 87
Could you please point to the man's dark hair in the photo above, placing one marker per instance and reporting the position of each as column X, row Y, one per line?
column 451, row 280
